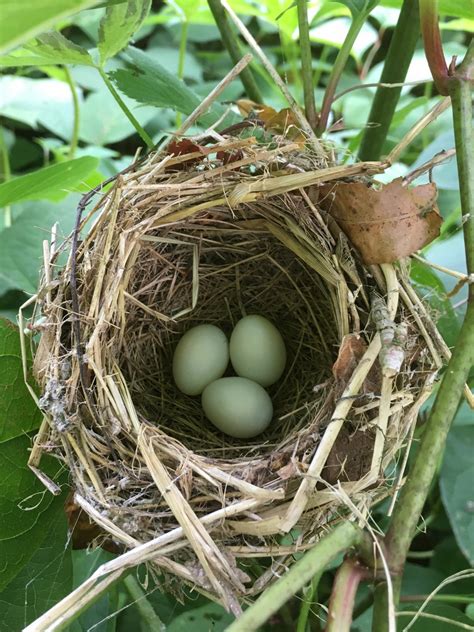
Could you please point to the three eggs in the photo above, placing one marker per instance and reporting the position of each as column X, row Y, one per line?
column 238, row 406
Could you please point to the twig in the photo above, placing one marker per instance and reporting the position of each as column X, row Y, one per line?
column 305, row 126
column 231, row 43
column 214, row 94
column 399, row 55
column 342, row 538
column 306, row 63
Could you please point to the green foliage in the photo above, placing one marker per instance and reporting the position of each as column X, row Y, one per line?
column 18, row 413
column 43, row 581
column 119, row 24
column 147, row 81
column 210, row 616
column 359, row 7
column 25, row 506
column 51, row 182
column 23, row 20
column 456, row 482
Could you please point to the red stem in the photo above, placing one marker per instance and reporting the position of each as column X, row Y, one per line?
column 433, row 46
column 344, row 590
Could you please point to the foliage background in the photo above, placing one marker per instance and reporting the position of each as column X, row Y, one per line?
column 63, row 132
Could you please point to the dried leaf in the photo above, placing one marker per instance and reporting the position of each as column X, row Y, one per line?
column 350, row 353
column 182, row 148
column 283, row 122
column 384, row 224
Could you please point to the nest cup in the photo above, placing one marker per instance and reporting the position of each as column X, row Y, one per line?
column 209, row 236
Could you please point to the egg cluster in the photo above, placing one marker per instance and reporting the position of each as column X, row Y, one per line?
column 239, row 406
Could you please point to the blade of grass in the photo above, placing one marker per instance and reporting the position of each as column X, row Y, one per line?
column 7, row 217
column 399, row 55
column 76, row 108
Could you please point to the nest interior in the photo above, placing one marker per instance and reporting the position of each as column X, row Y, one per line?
column 181, row 241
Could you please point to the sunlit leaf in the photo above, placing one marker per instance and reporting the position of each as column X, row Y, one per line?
column 21, row 21
column 47, row 182
column 118, row 25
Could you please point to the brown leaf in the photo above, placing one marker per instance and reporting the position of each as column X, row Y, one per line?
column 350, row 353
column 385, row 224
column 283, row 122
column 182, row 148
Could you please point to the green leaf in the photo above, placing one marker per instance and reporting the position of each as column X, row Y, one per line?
column 148, row 82
column 49, row 48
column 18, row 411
column 47, row 182
column 457, row 475
column 26, row 507
column 23, row 20
column 359, row 7
column 21, row 244
column 42, row 582
column 455, row 8
column 209, row 617
column 118, row 25
column 452, row 617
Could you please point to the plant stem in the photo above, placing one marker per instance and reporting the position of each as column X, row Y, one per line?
column 344, row 590
column 432, row 43
column 339, row 65
column 231, row 43
column 140, row 131
column 147, row 613
column 399, row 56
column 308, row 600
column 342, row 538
column 75, row 103
column 306, row 63
column 415, row 491
column 181, row 59
column 7, row 172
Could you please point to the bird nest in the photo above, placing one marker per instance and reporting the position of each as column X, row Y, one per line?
column 207, row 235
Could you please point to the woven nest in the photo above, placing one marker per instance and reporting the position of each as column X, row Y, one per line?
column 207, row 237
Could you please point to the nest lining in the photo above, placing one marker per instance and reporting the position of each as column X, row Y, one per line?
column 171, row 248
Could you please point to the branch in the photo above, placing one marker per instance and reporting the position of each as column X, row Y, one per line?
column 415, row 491
column 231, row 43
column 342, row 538
column 399, row 55
column 306, row 63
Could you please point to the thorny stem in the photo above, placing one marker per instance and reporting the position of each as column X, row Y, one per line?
column 432, row 43
column 344, row 590
column 140, row 131
column 7, row 217
column 75, row 103
column 399, row 56
column 415, row 491
column 231, row 43
column 306, row 63
column 345, row 535
column 339, row 66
